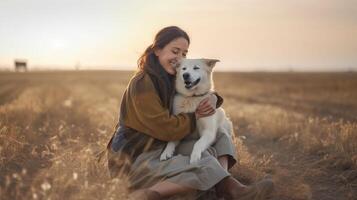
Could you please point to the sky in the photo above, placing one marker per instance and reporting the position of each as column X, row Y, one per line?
column 246, row 35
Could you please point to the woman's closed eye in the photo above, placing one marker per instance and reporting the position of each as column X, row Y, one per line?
column 177, row 51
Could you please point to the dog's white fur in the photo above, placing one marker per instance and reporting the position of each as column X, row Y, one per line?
column 190, row 92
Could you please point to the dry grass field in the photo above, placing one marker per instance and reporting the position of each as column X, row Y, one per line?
column 299, row 127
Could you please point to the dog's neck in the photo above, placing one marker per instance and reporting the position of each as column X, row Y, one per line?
column 200, row 95
column 194, row 94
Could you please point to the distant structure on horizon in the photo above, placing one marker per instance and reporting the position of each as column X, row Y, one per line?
column 20, row 65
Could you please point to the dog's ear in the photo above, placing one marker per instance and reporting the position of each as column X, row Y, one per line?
column 210, row 62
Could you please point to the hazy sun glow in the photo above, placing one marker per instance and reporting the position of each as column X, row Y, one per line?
column 244, row 35
column 59, row 44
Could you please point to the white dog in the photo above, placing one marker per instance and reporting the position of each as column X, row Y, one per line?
column 193, row 84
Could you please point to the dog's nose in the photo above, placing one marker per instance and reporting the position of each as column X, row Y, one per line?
column 186, row 76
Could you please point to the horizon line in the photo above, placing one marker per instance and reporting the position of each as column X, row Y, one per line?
column 241, row 68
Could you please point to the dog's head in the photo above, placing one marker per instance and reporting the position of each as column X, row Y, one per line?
column 194, row 76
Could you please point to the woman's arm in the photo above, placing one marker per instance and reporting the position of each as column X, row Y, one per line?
column 208, row 105
column 146, row 113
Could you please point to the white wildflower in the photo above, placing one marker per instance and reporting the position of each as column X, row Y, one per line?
column 24, row 171
column 67, row 103
column 46, row 186
column 75, row 175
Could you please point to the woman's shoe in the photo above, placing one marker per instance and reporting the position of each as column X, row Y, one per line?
column 231, row 189
column 145, row 194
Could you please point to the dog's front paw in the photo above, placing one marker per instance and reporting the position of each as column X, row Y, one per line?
column 195, row 157
column 167, row 154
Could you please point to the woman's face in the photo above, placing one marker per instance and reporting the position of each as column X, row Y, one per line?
column 172, row 53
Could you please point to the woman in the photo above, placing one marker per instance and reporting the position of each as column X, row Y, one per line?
column 146, row 125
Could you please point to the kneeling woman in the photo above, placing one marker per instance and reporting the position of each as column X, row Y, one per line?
column 146, row 124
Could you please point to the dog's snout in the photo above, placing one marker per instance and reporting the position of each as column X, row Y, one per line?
column 186, row 76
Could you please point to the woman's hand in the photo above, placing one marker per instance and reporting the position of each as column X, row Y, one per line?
column 206, row 107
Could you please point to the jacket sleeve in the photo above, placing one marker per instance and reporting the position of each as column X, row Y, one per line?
column 148, row 115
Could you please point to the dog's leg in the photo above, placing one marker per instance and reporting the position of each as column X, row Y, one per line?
column 201, row 145
column 207, row 128
column 169, row 150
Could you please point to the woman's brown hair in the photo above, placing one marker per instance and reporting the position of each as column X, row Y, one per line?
column 148, row 59
column 149, row 63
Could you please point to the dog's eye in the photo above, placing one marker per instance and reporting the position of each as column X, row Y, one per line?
column 195, row 67
column 184, row 68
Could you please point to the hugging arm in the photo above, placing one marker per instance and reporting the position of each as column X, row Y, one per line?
column 146, row 114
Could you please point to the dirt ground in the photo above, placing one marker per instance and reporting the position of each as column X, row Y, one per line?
column 300, row 128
